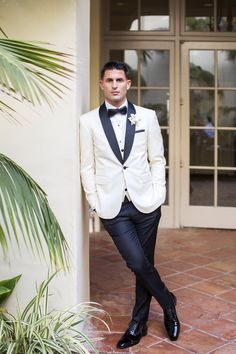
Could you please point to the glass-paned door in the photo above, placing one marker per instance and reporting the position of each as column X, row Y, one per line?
column 151, row 71
column 209, row 135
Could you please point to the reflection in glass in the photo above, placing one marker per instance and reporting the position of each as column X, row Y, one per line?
column 199, row 15
column 158, row 100
column 226, row 16
column 130, row 57
column 165, row 136
column 227, row 68
column 226, row 108
column 155, row 15
column 133, row 96
column 201, row 187
column 155, row 68
column 123, row 15
column 227, row 188
column 201, row 68
column 201, row 148
column 227, row 148
column 202, row 108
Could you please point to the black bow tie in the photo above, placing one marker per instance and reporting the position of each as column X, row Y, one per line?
column 111, row 112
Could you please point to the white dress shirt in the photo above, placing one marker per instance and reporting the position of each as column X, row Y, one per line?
column 118, row 122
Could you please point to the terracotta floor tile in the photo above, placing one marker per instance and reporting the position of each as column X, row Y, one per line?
column 190, row 296
column 198, row 313
column 209, row 287
column 226, row 349
column 222, row 253
column 198, row 260
column 179, row 266
column 231, row 316
column 225, row 265
column 163, row 270
column 146, row 342
column 228, row 280
column 203, row 272
column 182, row 279
column 229, row 295
column 221, row 328
column 108, row 344
column 200, row 267
column 199, row 342
column 164, row 348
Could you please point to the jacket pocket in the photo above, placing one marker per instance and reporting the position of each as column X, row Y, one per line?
column 101, row 180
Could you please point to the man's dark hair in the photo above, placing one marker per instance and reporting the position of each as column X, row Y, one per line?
column 118, row 65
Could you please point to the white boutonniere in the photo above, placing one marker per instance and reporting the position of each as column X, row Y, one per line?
column 134, row 119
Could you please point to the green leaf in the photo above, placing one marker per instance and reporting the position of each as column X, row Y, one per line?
column 25, row 215
column 7, row 286
column 30, row 70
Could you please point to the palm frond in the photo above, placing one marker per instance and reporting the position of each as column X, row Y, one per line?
column 25, row 69
column 24, row 211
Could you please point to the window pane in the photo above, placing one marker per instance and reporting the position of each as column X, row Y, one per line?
column 154, row 68
column 227, row 148
column 226, row 16
column 227, row 108
column 201, row 148
column 199, row 15
column 201, row 187
column 227, row 188
column 155, row 15
column 123, row 15
column 165, row 136
column 133, row 96
column 227, row 68
column 158, row 100
column 130, row 57
column 202, row 68
column 202, row 108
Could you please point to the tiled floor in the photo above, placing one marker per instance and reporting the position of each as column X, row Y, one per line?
column 198, row 265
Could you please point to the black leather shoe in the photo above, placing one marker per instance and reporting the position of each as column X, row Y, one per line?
column 132, row 335
column 171, row 320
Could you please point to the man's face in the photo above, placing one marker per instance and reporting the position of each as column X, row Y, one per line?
column 115, row 86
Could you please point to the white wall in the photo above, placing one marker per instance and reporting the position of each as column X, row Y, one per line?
column 46, row 144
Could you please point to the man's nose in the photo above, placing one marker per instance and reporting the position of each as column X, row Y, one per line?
column 114, row 83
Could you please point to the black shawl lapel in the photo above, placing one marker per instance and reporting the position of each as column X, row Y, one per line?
column 109, row 132
column 130, row 131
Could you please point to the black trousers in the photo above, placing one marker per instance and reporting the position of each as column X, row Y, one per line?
column 134, row 234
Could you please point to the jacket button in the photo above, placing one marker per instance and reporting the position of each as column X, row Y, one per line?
column 124, row 167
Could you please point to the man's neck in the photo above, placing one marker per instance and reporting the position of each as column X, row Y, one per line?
column 114, row 105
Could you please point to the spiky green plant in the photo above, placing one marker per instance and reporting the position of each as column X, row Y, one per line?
column 37, row 330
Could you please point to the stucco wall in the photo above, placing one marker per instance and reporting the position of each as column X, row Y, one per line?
column 46, row 143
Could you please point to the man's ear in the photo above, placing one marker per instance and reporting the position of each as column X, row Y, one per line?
column 101, row 84
column 129, row 82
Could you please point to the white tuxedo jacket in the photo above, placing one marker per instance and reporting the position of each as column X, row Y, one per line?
column 103, row 170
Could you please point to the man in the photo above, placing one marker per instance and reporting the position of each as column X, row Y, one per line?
column 123, row 175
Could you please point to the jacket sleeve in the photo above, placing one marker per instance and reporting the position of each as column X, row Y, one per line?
column 156, row 157
column 87, row 162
